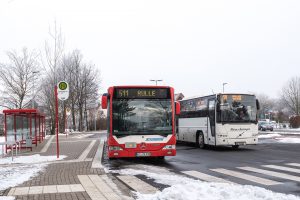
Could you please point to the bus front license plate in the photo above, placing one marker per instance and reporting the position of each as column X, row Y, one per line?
column 240, row 143
column 143, row 154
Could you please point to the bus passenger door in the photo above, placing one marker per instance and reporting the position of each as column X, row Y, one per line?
column 212, row 121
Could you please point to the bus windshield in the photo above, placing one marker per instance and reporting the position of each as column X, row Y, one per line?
column 142, row 116
column 237, row 108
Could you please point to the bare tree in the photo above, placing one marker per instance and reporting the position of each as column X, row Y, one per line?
column 53, row 55
column 17, row 78
column 291, row 95
column 87, row 86
column 266, row 105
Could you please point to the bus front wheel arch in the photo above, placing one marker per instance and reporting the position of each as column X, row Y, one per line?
column 200, row 140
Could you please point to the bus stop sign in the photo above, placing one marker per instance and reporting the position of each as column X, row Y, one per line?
column 63, row 90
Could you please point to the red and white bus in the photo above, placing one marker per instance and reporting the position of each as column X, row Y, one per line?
column 141, row 121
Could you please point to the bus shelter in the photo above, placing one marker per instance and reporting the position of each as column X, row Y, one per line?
column 24, row 126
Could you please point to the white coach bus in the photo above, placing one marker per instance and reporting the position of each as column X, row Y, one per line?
column 219, row 120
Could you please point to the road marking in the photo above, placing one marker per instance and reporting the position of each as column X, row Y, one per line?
column 11, row 192
column 21, row 191
column 86, row 151
column 272, row 173
column 45, row 189
column 82, row 136
column 206, row 177
column 63, row 188
column 77, row 188
column 104, row 188
column 288, row 169
column 294, row 164
column 138, row 185
column 46, row 147
column 114, row 187
column 247, row 177
column 98, row 156
column 36, row 190
column 50, row 189
column 90, row 188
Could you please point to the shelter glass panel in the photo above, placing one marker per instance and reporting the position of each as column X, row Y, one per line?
column 10, row 128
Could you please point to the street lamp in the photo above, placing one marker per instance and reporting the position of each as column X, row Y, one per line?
column 33, row 98
column 223, row 86
column 156, row 80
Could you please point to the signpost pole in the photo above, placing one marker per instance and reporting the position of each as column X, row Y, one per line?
column 66, row 123
column 61, row 93
column 56, row 121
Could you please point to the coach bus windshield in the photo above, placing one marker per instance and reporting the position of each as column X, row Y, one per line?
column 237, row 108
column 142, row 116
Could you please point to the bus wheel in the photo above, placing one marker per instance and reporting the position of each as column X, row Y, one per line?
column 235, row 146
column 200, row 141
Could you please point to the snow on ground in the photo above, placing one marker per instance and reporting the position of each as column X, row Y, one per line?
column 34, row 159
column 13, row 173
column 286, row 132
column 6, row 198
column 269, row 136
column 2, row 139
column 288, row 140
column 182, row 188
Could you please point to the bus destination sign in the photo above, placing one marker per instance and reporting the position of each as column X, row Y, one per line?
column 145, row 93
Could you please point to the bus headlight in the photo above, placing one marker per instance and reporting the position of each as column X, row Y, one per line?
column 114, row 148
column 170, row 147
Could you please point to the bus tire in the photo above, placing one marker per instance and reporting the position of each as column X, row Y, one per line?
column 235, row 146
column 200, row 140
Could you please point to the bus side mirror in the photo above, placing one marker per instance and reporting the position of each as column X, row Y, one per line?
column 257, row 104
column 104, row 101
column 177, row 108
column 218, row 107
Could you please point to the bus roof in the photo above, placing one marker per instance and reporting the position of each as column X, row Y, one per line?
column 140, row 86
column 196, row 97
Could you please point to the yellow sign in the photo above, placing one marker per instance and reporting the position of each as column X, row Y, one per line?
column 62, row 85
column 236, row 97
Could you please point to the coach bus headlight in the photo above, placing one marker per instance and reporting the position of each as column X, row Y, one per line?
column 115, row 148
column 170, row 147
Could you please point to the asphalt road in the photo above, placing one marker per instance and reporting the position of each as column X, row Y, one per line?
column 225, row 158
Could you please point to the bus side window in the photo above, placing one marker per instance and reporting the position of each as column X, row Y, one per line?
column 108, row 116
column 211, row 114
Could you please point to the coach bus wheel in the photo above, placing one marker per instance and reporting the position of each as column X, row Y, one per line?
column 200, row 140
column 235, row 146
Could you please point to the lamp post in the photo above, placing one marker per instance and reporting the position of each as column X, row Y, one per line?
column 33, row 98
column 156, row 80
column 223, row 86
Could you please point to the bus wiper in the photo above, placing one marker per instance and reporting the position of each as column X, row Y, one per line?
column 122, row 135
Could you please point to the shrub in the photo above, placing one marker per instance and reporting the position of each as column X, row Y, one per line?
column 295, row 121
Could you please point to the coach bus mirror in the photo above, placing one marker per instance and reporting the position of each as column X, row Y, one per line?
column 257, row 104
column 104, row 102
column 218, row 107
column 177, row 108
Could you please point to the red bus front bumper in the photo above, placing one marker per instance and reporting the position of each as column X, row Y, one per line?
column 138, row 153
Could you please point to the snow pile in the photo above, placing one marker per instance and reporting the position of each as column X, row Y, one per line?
column 30, row 159
column 11, row 176
column 182, row 188
column 288, row 140
column 269, row 136
column 2, row 139
column 6, row 198
column 13, row 173
column 198, row 190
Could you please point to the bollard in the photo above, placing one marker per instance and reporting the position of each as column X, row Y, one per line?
column 16, row 149
column 12, row 152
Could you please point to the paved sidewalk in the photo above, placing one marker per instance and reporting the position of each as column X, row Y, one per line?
column 77, row 177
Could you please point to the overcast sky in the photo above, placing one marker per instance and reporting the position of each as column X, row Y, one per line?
column 194, row 46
